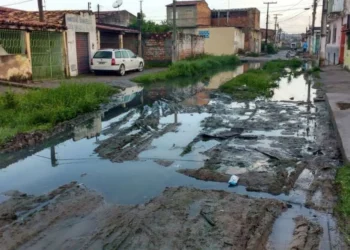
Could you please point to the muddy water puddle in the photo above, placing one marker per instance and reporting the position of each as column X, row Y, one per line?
column 132, row 152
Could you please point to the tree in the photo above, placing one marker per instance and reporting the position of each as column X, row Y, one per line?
column 150, row 26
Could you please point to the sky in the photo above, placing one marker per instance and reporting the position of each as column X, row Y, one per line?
column 293, row 18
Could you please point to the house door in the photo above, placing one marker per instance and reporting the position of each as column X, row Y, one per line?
column 82, row 43
column 47, row 54
column 342, row 45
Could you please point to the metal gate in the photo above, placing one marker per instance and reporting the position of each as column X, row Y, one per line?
column 47, row 54
column 82, row 42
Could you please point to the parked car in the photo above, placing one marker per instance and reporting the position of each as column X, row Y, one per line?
column 118, row 60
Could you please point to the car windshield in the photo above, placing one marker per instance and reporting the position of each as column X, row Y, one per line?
column 103, row 54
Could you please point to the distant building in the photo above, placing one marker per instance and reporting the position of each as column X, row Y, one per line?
column 314, row 42
column 271, row 35
column 246, row 19
column 121, row 18
column 190, row 14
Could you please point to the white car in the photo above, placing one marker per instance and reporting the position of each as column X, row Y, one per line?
column 118, row 60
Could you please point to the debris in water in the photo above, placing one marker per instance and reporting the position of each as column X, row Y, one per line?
column 233, row 180
column 163, row 163
column 234, row 132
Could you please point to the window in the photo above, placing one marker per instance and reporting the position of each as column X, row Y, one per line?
column 118, row 54
column 103, row 54
column 131, row 54
column 334, row 35
column 125, row 54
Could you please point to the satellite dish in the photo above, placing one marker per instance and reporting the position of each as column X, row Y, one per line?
column 117, row 3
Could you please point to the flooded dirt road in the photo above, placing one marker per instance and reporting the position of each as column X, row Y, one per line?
column 168, row 142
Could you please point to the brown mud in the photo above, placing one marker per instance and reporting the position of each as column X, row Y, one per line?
column 306, row 235
column 73, row 217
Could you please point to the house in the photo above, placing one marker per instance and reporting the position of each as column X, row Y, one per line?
column 336, row 38
column 346, row 33
column 60, row 46
column 195, row 17
column 314, row 41
column 271, row 35
column 247, row 19
column 120, row 18
column 190, row 14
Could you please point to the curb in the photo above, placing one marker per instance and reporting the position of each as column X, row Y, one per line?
column 18, row 85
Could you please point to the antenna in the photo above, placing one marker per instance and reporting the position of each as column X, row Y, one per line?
column 117, row 3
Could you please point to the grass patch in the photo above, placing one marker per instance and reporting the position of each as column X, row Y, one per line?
column 191, row 67
column 250, row 85
column 157, row 64
column 258, row 83
column 42, row 109
column 343, row 206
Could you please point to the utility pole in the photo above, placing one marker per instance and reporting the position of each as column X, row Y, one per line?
column 276, row 24
column 89, row 6
column 174, row 54
column 41, row 10
column 98, row 13
column 323, row 34
column 267, row 22
column 313, row 26
column 141, row 15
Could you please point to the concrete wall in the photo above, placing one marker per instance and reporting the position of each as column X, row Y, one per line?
column 16, row 68
column 333, row 48
column 189, row 45
column 158, row 47
column 245, row 18
column 122, row 18
column 222, row 40
column 85, row 23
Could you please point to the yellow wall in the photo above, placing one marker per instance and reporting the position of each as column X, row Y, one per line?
column 16, row 68
column 223, row 40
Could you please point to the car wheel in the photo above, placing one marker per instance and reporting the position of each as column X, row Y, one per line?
column 122, row 70
column 141, row 67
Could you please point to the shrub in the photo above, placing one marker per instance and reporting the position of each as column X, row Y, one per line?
column 191, row 67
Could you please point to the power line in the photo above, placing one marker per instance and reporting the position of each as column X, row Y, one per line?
column 10, row 4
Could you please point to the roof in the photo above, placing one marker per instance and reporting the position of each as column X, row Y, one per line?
column 187, row 3
column 109, row 27
column 235, row 10
column 111, row 12
column 30, row 19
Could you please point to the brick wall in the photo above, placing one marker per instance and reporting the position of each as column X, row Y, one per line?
column 203, row 15
column 158, row 47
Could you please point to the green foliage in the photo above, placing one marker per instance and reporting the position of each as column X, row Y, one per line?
column 44, row 108
column 279, row 66
column 191, row 67
column 255, row 83
column 150, row 26
column 270, row 48
column 250, row 85
column 252, row 54
column 186, row 150
column 157, row 64
column 343, row 206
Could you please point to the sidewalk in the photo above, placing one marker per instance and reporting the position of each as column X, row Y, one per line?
column 336, row 82
column 110, row 79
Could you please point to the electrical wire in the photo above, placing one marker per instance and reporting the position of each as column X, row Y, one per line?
column 10, row 4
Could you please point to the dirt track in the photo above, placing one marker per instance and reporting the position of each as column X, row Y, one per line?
column 73, row 217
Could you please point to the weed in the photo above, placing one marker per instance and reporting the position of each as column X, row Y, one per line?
column 187, row 150
column 157, row 64
column 250, row 85
column 190, row 68
column 343, row 206
column 252, row 54
column 42, row 109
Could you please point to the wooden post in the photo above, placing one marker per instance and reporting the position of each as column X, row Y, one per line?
column 28, row 49
column 65, row 54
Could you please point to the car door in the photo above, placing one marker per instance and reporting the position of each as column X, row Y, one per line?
column 126, row 60
column 133, row 60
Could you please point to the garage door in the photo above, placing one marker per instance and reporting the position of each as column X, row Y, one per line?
column 109, row 40
column 82, row 42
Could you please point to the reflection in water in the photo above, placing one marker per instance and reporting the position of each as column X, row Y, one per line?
column 133, row 182
column 89, row 129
